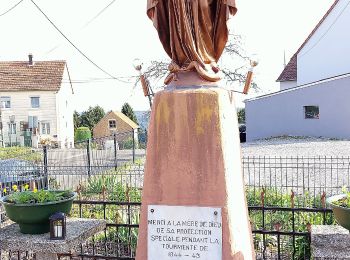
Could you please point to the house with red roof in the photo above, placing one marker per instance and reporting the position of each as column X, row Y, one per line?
column 314, row 94
column 35, row 103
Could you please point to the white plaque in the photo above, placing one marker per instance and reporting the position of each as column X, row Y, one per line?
column 179, row 232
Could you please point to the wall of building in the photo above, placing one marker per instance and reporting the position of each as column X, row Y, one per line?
column 283, row 113
column 287, row 84
column 327, row 53
column 21, row 109
column 102, row 128
column 64, row 106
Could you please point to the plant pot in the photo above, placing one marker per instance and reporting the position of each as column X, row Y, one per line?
column 341, row 214
column 34, row 218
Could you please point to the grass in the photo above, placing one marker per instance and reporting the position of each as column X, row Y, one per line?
column 283, row 220
column 110, row 187
column 23, row 153
column 116, row 186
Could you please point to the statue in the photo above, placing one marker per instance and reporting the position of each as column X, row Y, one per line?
column 193, row 169
column 193, row 33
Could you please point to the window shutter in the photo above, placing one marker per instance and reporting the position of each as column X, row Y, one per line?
column 30, row 122
column 35, row 122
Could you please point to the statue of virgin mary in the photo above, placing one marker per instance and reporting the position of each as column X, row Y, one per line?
column 193, row 33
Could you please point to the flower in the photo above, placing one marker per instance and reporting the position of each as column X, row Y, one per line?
column 14, row 187
column 4, row 190
column 35, row 190
column 26, row 187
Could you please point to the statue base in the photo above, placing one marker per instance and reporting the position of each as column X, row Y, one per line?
column 194, row 160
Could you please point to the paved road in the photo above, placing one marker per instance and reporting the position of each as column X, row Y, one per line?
column 79, row 157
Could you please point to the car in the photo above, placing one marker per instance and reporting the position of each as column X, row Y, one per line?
column 242, row 133
column 17, row 171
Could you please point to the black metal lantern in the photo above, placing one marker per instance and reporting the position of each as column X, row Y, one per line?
column 58, row 226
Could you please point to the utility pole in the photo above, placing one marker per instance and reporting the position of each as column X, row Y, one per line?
column 1, row 128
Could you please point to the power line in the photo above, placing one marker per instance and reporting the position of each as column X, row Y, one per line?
column 98, row 14
column 325, row 33
column 13, row 7
column 86, row 24
column 75, row 47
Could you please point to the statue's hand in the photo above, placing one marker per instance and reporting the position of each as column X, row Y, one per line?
column 214, row 67
column 151, row 13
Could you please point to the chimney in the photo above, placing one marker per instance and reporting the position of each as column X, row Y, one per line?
column 30, row 56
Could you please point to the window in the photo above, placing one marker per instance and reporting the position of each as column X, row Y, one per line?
column 112, row 124
column 12, row 128
column 35, row 102
column 45, row 128
column 5, row 102
column 312, row 112
column 33, row 122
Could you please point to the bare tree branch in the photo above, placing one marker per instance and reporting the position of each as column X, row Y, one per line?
column 158, row 70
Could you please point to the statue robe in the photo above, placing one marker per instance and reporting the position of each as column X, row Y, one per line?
column 193, row 33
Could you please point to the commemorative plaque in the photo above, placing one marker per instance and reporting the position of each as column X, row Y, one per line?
column 182, row 232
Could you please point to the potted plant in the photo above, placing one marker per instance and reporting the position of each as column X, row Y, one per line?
column 31, row 209
column 340, row 205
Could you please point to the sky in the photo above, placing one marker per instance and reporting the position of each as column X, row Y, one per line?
column 122, row 32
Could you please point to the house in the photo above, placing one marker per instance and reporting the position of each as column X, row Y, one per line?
column 314, row 94
column 35, row 103
column 115, row 122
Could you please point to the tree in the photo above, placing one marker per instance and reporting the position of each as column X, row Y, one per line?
column 129, row 112
column 91, row 117
column 241, row 115
column 76, row 120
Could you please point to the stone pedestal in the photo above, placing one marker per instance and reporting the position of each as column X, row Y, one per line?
column 78, row 230
column 330, row 242
column 194, row 159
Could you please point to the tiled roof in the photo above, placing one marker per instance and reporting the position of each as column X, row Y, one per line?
column 20, row 76
column 290, row 71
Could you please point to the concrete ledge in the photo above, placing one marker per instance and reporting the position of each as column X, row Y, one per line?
column 330, row 242
column 78, row 230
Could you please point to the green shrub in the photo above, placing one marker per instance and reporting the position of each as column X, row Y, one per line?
column 113, row 187
column 269, row 218
column 127, row 143
column 82, row 133
column 35, row 197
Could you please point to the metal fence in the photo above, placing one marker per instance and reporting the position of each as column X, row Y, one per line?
column 286, row 195
column 110, row 150
column 305, row 176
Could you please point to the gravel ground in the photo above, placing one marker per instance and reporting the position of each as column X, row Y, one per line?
column 297, row 146
column 304, row 165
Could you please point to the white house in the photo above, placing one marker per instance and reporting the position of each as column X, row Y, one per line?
column 314, row 86
column 36, row 103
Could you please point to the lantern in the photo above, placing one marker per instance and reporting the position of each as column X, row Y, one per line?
column 58, row 226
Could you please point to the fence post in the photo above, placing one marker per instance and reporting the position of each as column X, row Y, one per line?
column 115, row 151
column 88, row 151
column 133, row 146
column 45, row 167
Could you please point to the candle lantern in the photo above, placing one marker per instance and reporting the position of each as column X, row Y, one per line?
column 58, row 226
